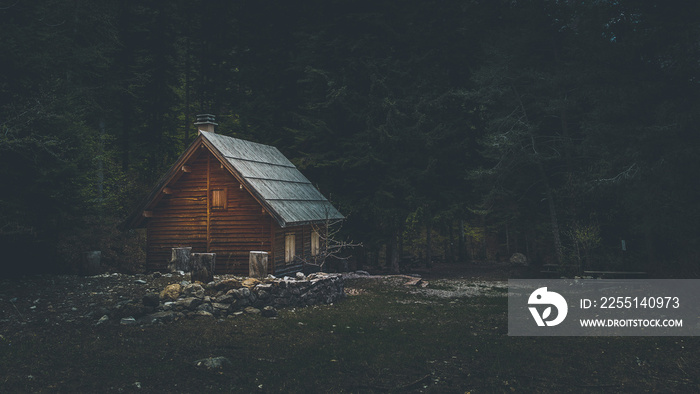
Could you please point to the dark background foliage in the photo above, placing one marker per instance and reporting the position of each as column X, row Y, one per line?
column 455, row 130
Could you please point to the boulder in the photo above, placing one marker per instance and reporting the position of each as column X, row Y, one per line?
column 193, row 290
column 171, row 292
column 189, row 303
column 205, row 308
column 151, row 300
column 250, row 282
column 518, row 259
column 269, row 311
column 159, row 317
column 226, row 299
column 227, row 284
column 252, row 311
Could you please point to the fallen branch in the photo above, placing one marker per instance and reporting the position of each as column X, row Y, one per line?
column 415, row 384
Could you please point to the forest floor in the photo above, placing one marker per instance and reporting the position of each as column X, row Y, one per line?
column 450, row 336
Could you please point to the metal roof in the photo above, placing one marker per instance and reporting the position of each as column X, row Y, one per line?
column 271, row 177
column 264, row 171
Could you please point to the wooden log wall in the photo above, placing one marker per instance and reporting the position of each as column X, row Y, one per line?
column 180, row 218
column 186, row 217
column 240, row 228
column 302, row 237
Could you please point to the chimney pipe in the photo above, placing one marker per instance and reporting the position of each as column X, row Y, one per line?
column 205, row 122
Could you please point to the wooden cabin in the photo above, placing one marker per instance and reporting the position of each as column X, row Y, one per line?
column 229, row 196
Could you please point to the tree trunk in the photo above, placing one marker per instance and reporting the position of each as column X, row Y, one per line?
column 394, row 246
column 203, row 267
column 428, row 249
column 507, row 239
column 180, row 259
column 462, row 249
column 555, row 226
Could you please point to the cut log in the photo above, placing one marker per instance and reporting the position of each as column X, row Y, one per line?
column 180, row 260
column 90, row 264
column 203, row 267
column 257, row 264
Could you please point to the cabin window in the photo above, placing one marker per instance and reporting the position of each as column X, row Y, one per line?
column 218, row 199
column 289, row 247
column 315, row 243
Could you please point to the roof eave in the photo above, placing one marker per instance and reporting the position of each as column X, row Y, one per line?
column 136, row 218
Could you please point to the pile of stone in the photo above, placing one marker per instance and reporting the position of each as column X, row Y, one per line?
column 230, row 297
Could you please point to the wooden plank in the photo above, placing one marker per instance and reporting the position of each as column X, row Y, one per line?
column 272, row 245
column 208, row 201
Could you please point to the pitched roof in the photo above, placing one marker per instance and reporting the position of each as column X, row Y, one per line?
column 266, row 173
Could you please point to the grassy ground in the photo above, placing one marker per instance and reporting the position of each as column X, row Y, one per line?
column 383, row 339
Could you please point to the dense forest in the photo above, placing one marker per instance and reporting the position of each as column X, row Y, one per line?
column 456, row 131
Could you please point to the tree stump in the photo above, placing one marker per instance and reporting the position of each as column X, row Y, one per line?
column 203, row 267
column 257, row 265
column 180, row 260
column 90, row 264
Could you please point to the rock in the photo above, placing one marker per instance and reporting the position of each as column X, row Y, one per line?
column 104, row 319
column 300, row 276
column 128, row 321
column 221, row 307
column 171, row 292
column 189, row 303
column 151, row 299
column 362, row 273
column 252, row 311
column 213, row 363
column 132, row 309
column 159, row 317
column 205, row 308
column 156, row 275
column 269, row 311
column 204, row 313
column 413, row 282
column 194, row 290
column 241, row 303
column 227, row 284
column 140, row 281
column 518, row 259
column 226, row 299
column 250, row 282
column 263, row 295
column 243, row 292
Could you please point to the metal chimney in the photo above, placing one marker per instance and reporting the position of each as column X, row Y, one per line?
column 205, row 122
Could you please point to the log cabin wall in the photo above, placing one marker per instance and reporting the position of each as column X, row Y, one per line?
column 238, row 228
column 179, row 218
column 193, row 216
column 302, row 237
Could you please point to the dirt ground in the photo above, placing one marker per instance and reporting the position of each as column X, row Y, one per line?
column 52, row 300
